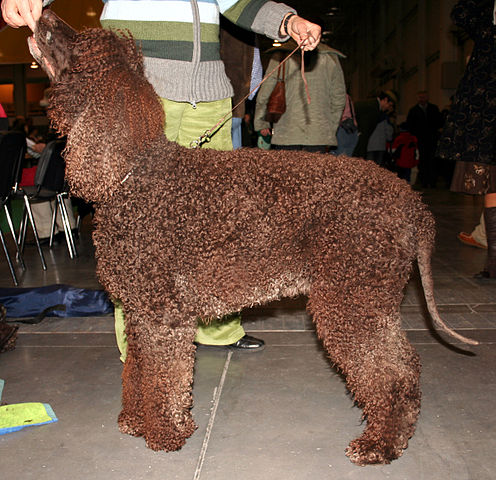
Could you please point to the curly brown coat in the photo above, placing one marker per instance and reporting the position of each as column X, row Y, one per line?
column 182, row 234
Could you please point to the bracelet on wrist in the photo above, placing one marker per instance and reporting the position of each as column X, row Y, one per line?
column 286, row 22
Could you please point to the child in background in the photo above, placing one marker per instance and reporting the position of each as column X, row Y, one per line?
column 405, row 152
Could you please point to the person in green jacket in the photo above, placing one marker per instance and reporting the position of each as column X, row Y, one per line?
column 180, row 45
column 305, row 126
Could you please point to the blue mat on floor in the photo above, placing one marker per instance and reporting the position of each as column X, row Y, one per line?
column 54, row 301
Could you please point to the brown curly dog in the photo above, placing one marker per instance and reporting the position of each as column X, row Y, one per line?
column 187, row 233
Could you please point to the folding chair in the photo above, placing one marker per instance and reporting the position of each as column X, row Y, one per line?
column 12, row 151
column 49, row 184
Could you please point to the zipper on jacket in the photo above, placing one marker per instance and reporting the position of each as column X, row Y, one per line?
column 195, row 60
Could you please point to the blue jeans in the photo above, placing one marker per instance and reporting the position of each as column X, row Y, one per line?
column 236, row 133
column 346, row 142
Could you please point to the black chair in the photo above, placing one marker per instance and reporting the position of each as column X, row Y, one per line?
column 49, row 184
column 12, row 151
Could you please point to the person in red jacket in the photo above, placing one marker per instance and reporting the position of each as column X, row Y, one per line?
column 405, row 151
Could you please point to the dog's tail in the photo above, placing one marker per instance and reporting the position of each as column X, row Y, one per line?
column 424, row 264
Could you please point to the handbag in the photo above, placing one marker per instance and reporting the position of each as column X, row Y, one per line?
column 348, row 125
column 276, row 104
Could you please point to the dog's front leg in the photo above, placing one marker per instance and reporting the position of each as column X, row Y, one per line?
column 157, row 382
column 131, row 418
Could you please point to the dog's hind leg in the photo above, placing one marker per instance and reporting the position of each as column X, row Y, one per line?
column 157, row 382
column 381, row 368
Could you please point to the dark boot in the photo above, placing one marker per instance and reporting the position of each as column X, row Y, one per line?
column 490, row 220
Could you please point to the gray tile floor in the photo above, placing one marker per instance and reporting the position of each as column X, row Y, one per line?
column 279, row 414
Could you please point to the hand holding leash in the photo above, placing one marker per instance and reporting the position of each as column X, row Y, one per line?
column 305, row 33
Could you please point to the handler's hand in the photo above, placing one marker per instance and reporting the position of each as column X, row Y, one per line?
column 265, row 132
column 18, row 13
column 302, row 30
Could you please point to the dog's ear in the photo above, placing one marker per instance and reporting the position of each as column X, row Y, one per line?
column 111, row 133
column 107, row 72
column 132, row 52
column 136, row 108
column 142, row 110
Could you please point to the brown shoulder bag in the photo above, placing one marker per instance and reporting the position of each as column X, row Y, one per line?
column 276, row 104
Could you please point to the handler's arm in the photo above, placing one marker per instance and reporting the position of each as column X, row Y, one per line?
column 272, row 19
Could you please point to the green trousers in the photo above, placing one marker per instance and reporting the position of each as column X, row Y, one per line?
column 186, row 123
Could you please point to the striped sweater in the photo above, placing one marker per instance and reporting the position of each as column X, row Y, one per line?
column 180, row 40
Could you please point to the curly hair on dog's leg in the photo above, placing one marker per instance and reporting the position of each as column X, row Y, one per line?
column 391, row 402
column 381, row 368
column 131, row 419
column 162, row 366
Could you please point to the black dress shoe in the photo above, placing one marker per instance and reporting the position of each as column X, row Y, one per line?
column 57, row 239
column 484, row 275
column 248, row 344
column 244, row 344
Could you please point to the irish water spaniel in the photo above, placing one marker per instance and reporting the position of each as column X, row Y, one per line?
column 188, row 233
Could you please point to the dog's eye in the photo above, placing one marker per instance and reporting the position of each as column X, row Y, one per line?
column 48, row 37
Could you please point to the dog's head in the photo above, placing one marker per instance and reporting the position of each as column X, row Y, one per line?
column 100, row 99
column 52, row 40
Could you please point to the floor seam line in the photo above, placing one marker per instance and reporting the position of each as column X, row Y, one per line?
column 216, row 400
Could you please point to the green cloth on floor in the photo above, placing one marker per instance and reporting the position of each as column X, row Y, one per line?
column 20, row 415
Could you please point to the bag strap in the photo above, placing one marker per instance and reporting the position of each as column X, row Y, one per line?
column 352, row 110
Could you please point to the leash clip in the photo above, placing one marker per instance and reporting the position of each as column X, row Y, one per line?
column 205, row 138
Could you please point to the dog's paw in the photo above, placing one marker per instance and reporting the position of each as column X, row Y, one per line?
column 169, row 445
column 363, row 451
column 130, row 425
column 168, row 439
